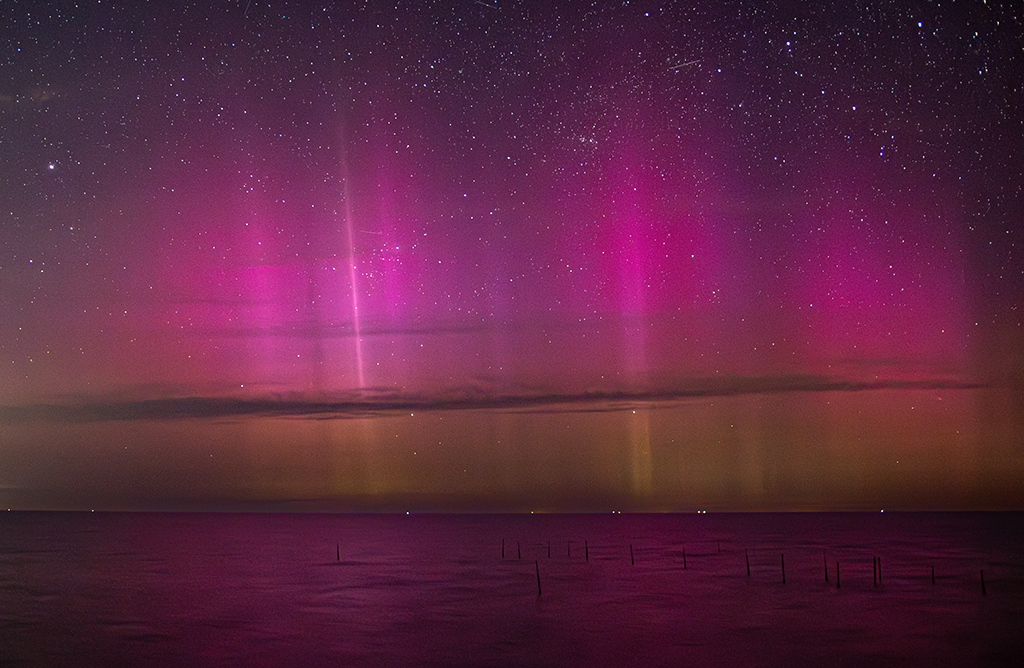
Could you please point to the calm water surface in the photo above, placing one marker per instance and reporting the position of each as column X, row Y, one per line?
column 137, row 589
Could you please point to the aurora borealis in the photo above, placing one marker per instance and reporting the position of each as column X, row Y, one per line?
column 496, row 255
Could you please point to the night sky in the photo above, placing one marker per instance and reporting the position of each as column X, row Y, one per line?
column 480, row 255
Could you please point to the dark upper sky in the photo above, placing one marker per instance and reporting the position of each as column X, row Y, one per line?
column 483, row 205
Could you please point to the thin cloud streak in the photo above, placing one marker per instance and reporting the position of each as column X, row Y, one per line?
column 382, row 404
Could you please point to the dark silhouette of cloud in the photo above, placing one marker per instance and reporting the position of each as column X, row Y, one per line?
column 380, row 403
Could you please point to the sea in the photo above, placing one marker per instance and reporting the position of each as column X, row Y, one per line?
column 700, row 589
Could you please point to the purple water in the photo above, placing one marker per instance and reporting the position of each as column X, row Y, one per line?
column 133, row 589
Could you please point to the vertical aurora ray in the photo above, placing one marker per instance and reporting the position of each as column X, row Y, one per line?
column 346, row 196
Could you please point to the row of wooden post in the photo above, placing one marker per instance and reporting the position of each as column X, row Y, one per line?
column 876, row 564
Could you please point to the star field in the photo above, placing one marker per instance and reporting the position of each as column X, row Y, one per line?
column 326, row 201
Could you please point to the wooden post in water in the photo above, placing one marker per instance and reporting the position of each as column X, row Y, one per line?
column 569, row 548
column 783, row 568
column 747, row 555
column 586, row 549
column 933, row 573
column 684, row 558
column 519, row 550
column 337, row 550
column 983, row 592
column 632, row 561
column 536, row 567
column 838, row 585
